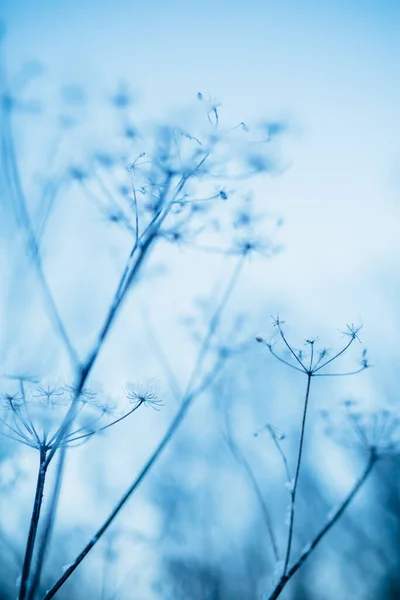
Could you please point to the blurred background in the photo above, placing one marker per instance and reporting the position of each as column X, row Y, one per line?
column 321, row 79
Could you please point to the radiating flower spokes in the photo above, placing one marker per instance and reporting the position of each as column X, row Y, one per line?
column 311, row 360
column 375, row 430
column 34, row 414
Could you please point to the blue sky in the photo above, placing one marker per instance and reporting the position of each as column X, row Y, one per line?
column 331, row 70
column 328, row 68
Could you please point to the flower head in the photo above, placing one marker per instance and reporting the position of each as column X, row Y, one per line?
column 144, row 393
column 374, row 430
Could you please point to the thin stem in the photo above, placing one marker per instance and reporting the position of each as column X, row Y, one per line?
column 37, row 505
column 336, row 355
column 241, row 459
column 103, row 428
column 281, row 453
column 297, row 474
column 135, row 203
column 47, row 529
column 189, row 398
column 147, row 467
column 128, row 276
column 291, row 350
column 20, row 436
column 32, row 244
column 282, row 360
column 340, row 374
column 331, row 522
column 312, row 355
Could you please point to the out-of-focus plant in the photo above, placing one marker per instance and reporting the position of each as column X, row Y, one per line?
column 377, row 433
column 32, row 415
column 163, row 185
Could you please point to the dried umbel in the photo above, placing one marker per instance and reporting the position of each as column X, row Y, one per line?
column 312, row 362
column 158, row 185
column 374, row 431
column 33, row 414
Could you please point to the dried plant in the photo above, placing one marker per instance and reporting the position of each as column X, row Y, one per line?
column 163, row 186
column 317, row 362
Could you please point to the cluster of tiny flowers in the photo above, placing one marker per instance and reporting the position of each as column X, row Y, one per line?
column 311, row 360
column 37, row 415
column 373, row 430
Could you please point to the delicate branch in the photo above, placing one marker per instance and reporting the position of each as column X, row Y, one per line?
column 131, row 271
column 69, row 439
column 47, row 529
column 189, row 398
column 360, row 370
column 278, row 324
column 37, row 505
column 296, row 477
column 331, row 522
column 336, row 355
column 32, row 244
column 241, row 459
column 282, row 360
column 281, row 452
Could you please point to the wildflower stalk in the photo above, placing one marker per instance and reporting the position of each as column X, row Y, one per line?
column 47, row 532
column 297, row 361
column 37, row 505
column 293, row 491
column 241, row 460
column 189, row 397
column 285, row 578
column 12, row 173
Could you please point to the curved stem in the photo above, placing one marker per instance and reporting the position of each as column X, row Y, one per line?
column 189, row 398
column 331, row 522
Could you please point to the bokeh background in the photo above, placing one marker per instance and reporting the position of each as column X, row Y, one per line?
column 327, row 72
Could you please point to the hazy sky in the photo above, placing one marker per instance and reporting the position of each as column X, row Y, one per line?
column 329, row 68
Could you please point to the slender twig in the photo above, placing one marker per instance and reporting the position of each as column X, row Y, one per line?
column 34, row 523
column 47, row 529
column 282, row 360
column 292, row 352
column 242, row 460
column 129, row 275
column 281, row 453
column 331, row 522
column 342, row 351
column 189, row 397
column 135, row 203
column 15, row 184
column 360, row 370
column 296, row 477
column 103, row 428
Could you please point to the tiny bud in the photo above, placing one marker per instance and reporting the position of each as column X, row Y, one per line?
column 259, row 340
